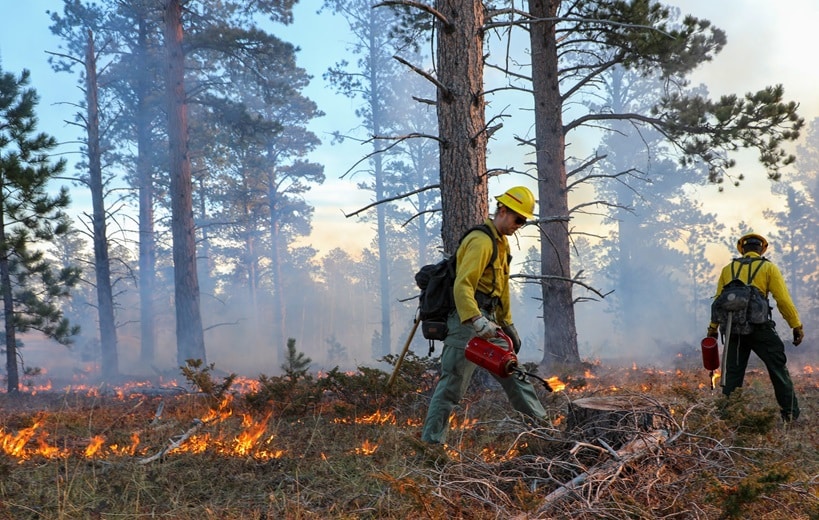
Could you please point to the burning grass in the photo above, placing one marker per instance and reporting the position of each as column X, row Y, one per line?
column 340, row 446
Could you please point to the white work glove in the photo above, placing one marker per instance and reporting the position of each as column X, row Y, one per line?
column 485, row 328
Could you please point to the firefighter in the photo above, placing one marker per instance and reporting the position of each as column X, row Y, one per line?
column 482, row 309
column 763, row 339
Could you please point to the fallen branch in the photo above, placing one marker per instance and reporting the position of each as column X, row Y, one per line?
column 175, row 442
column 634, row 449
column 157, row 414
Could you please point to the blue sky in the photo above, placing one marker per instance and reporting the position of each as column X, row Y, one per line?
column 25, row 41
column 768, row 43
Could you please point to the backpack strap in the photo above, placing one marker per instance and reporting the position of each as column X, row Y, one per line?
column 758, row 267
column 749, row 262
column 485, row 228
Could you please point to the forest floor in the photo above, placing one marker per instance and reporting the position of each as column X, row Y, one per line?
column 343, row 446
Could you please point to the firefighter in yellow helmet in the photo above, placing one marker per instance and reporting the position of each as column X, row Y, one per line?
column 520, row 200
column 762, row 339
column 482, row 308
column 752, row 238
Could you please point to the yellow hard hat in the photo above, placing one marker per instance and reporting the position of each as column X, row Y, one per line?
column 520, row 200
column 751, row 238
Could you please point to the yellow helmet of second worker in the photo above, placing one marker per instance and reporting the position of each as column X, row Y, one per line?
column 520, row 200
column 751, row 238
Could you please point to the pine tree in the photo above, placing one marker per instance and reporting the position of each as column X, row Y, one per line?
column 129, row 71
column 296, row 364
column 31, row 286
column 371, row 79
column 573, row 47
column 83, row 39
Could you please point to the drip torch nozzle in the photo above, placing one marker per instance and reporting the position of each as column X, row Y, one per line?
column 511, row 367
column 522, row 375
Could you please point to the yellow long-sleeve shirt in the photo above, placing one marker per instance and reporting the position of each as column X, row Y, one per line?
column 768, row 280
column 472, row 274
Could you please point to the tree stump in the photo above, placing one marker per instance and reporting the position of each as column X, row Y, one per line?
column 614, row 419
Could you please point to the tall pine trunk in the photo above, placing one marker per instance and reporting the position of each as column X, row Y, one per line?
column 376, row 104
column 102, row 265
column 13, row 377
column 252, row 263
column 560, row 341
column 279, row 335
column 147, row 242
column 461, row 118
column 189, row 335
column 204, row 265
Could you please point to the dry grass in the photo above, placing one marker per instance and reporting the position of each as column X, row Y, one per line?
column 340, row 447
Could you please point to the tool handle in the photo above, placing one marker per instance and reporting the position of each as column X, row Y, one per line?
column 508, row 340
column 403, row 353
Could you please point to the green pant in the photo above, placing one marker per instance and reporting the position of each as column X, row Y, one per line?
column 456, row 372
column 765, row 343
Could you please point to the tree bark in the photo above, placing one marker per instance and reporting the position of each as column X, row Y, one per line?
column 461, row 118
column 252, row 265
column 560, row 338
column 13, row 378
column 377, row 98
column 279, row 310
column 189, row 334
column 147, row 242
column 102, row 266
column 204, row 264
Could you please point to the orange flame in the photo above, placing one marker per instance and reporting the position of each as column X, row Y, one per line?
column 131, row 450
column 45, row 450
column 126, row 450
column 368, row 448
column 247, row 439
column 556, row 384
column 378, row 418
column 466, row 424
column 94, row 445
column 14, row 444
column 489, row 454
column 222, row 412
column 196, row 444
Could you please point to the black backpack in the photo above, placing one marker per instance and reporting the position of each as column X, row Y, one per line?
column 436, row 281
column 742, row 301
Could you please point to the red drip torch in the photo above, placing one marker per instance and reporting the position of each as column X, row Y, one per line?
column 498, row 360
column 710, row 356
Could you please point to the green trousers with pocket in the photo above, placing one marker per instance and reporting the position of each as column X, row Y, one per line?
column 765, row 343
column 456, row 373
